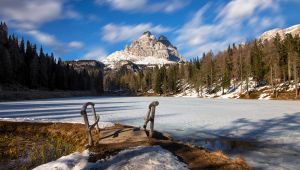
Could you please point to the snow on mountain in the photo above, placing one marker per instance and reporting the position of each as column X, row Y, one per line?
column 146, row 50
column 294, row 30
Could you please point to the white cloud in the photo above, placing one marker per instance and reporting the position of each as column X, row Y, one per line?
column 31, row 14
column 124, row 4
column 117, row 33
column 50, row 40
column 95, row 54
column 228, row 26
column 28, row 16
column 72, row 14
column 75, row 44
column 44, row 38
column 238, row 10
column 144, row 5
column 266, row 22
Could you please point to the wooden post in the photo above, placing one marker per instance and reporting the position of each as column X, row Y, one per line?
column 95, row 118
column 150, row 117
column 86, row 121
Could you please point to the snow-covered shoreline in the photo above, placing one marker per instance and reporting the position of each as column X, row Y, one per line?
column 137, row 158
column 234, row 92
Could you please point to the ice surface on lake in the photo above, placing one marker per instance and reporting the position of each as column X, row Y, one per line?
column 273, row 127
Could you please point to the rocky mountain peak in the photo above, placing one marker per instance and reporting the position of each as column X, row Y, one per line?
column 146, row 36
column 165, row 41
column 162, row 38
column 148, row 33
column 147, row 50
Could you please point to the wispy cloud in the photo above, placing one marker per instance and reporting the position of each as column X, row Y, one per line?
column 227, row 27
column 29, row 16
column 75, row 44
column 95, row 54
column 52, row 41
column 32, row 14
column 43, row 37
column 144, row 5
column 119, row 32
column 236, row 11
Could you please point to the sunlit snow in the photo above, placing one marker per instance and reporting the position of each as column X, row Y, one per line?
column 273, row 127
column 151, row 157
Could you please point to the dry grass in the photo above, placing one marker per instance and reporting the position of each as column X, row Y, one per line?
column 291, row 95
column 26, row 145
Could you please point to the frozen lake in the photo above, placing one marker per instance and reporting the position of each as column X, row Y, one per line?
column 272, row 127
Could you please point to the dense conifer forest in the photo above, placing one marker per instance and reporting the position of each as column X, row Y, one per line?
column 270, row 62
column 24, row 65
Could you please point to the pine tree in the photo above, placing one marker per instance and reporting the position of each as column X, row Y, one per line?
column 257, row 63
column 34, row 69
column 43, row 71
column 6, row 75
column 158, row 80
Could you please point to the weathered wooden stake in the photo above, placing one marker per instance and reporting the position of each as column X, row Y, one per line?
column 150, row 117
column 86, row 121
column 95, row 118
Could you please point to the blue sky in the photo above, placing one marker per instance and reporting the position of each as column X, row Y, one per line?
column 92, row 29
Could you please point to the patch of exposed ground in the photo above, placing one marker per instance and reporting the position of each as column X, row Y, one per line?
column 281, row 95
column 17, row 95
column 24, row 145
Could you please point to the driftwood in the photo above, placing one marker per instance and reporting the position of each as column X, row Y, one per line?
column 150, row 117
column 86, row 121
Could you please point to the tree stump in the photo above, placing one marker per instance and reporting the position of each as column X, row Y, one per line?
column 86, row 122
column 150, row 117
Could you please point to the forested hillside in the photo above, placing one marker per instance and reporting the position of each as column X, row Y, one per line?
column 272, row 63
column 28, row 67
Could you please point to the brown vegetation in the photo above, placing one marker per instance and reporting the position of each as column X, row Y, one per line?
column 280, row 95
column 40, row 94
column 26, row 145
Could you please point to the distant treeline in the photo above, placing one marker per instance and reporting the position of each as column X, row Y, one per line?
column 22, row 65
column 267, row 62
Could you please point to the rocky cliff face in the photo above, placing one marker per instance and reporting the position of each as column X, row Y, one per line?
column 294, row 30
column 146, row 50
column 88, row 65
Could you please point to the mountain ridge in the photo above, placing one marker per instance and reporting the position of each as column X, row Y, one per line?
column 268, row 35
column 146, row 50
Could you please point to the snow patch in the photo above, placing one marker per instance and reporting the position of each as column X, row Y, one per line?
column 149, row 157
column 268, row 35
column 73, row 161
column 264, row 96
column 234, row 91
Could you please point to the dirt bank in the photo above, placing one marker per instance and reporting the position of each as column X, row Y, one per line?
column 24, row 145
column 41, row 94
